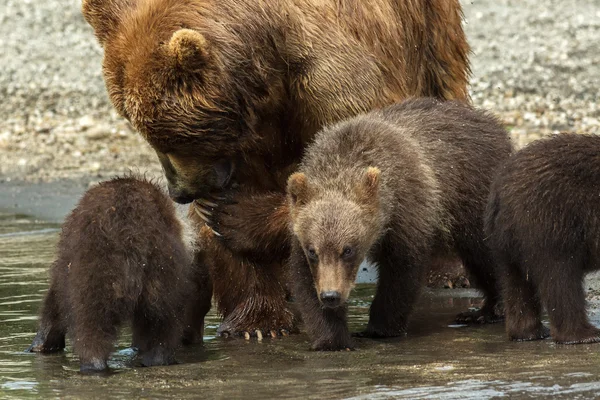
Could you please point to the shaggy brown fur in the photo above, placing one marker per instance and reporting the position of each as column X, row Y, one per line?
column 121, row 257
column 231, row 91
column 399, row 186
column 543, row 223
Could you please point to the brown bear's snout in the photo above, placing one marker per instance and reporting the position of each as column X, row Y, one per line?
column 331, row 299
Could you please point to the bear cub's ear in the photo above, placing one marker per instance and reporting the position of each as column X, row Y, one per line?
column 370, row 182
column 297, row 189
column 189, row 50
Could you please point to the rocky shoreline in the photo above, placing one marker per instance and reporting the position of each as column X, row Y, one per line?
column 536, row 64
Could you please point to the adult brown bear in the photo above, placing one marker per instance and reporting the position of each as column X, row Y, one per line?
column 230, row 92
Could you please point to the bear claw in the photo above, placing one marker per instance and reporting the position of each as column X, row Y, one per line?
column 258, row 334
column 206, row 203
column 202, row 213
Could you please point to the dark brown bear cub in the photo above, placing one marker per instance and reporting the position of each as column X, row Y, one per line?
column 543, row 223
column 398, row 186
column 122, row 256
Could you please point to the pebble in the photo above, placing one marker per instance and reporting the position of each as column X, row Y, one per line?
column 535, row 66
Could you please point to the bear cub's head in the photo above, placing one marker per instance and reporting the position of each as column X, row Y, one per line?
column 336, row 229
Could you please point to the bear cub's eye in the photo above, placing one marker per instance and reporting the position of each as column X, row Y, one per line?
column 347, row 252
column 312, row 253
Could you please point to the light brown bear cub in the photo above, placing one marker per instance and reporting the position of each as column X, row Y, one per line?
column 122, row 256
column 398, row 186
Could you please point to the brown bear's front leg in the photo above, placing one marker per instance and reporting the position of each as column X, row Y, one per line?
column 252, row 298
column 328, row 328
column 401, row 277
column 251, row 225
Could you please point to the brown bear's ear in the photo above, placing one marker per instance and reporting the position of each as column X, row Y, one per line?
column 297, row 189
column 189, row 50
column 371, row 182
column 104, row 15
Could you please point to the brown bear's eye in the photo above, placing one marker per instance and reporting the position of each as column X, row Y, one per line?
column 312, row 253
column 347, row 252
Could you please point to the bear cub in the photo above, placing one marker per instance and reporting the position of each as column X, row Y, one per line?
column 397, row 185
column 543, row 224
column 123, row 255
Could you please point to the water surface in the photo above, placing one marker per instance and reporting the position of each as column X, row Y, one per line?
column 436, row 361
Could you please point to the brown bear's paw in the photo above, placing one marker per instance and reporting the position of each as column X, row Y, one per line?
column 259, row 334
column 484, row 315
column 584, row 336
column 538, row 333
column 247, row 327
column 202, row 211
column 336, row 344
column 227, row 216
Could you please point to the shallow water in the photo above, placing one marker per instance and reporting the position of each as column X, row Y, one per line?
column 436, row 361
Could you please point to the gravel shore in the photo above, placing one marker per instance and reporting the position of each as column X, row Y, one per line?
column 535, row 63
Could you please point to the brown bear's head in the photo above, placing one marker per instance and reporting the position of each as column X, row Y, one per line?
column 336, row 231
column 178, row 76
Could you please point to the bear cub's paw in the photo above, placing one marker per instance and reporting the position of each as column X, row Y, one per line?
column 484, row 315
column 540, row 333
column 46, row 343
column 157, row 356
column 93, row 366
column 584, row 336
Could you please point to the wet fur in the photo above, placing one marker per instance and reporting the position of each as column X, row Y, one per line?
column 251, row 81
column 122, row 257
column 542, row 223
column 437, row 160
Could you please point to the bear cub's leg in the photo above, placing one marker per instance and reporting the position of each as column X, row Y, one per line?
column 155, row 336
column 522, row 308
column 561, row 291
column 478, row 260
column 398, row 288
column 51, row 333
column 95, row 329
column 199, row 302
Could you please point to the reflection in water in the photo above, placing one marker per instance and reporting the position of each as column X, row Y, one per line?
column 437, row 360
